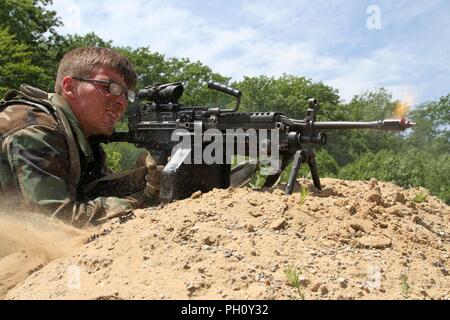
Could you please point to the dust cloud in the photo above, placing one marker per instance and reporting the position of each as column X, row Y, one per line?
column 29, row 241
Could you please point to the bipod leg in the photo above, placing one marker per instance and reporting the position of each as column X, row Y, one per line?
column 299, row 157
column 270, row 180
column 313, row 167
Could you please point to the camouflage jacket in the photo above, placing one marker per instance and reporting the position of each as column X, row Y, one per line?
column 37, row 164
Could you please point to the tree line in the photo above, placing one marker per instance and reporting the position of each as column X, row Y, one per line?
column 30, row 49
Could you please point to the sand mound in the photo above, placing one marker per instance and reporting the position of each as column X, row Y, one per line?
column 353, row 240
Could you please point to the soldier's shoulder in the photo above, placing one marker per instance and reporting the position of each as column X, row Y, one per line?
column 23, row 114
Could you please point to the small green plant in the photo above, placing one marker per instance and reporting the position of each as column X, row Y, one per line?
column 121, row 156
column 258, row 180
column 113, row 161
column 304, row 193
column 420, row 197
column 405, row 285
column 293, row 276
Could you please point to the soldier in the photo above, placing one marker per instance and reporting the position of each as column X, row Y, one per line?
column 49, row 154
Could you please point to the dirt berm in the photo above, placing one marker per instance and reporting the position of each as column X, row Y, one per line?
column 353, row 240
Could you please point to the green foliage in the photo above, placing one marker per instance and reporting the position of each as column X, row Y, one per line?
column 288, row 94
column 293, row 276
column 33, row 26
column 346, row 146
column 437, row 176
column 387, row 165
column 16, row 65
column 195, row 76
column 433, row 123
column 304, row 193
column 405, row 287
column 413, row 167
column 257, row 180
column 431, row 138
column 154, row 68
column 420, row 197
column 113, row 161
column 90, row 39
column 326, row 164
column 28, row 19
column 150, row 66
column 375, row 104
column 121, row 155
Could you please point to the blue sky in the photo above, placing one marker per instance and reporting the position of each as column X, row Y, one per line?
column 401, row 45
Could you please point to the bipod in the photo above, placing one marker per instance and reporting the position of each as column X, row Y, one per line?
column 300, row 157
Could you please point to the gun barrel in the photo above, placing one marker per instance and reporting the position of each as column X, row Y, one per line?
column 386, row 125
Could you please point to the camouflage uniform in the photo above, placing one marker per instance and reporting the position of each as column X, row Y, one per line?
column 46, row 159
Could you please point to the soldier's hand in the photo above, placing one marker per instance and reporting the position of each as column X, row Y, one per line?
column 84, row 214
column 152, row 177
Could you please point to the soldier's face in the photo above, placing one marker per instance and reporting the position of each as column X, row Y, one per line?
column 96, row 108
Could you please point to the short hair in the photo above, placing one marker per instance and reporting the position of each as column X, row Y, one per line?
column 80, row 62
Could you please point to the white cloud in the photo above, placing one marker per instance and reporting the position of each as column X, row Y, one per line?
column 276, row 13
column 400, row 13
column 271, row 38
column 391, row 67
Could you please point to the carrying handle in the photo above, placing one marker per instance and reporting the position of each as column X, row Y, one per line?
column 227, row 90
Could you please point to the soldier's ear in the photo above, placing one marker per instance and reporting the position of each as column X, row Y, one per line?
column 67, row 87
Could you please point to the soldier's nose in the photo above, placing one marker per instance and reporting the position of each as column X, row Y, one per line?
column 121, row 103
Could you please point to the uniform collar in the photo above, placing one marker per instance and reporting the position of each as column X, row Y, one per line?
column 74, row 124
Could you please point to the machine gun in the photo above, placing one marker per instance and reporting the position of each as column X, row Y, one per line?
column 159, row 122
